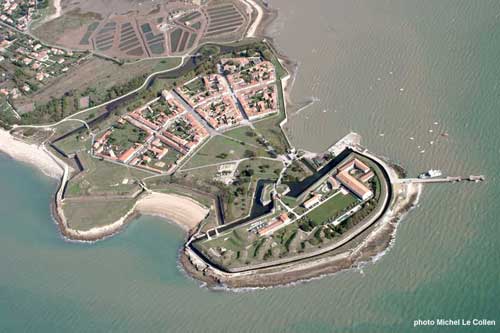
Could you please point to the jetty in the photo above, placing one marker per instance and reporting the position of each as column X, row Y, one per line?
column 451, row 179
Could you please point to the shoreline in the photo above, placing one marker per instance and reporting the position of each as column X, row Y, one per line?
column 377, row 240
column 182, row 211
column 31, row 154
column 187, row 213
column 373, row 246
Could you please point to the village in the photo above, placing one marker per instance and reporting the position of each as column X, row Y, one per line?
column 27, row 65
column 19, row 13
column 158, row 136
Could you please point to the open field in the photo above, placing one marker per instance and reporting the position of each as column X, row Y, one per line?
column 103, row 178
column 85, row 215
column 331, row 208
column 245, row 134
column 220, row 149
column 99, row 79
column 269, row 128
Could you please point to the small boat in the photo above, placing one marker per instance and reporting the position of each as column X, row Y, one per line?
column 444, row 134
column 432, row 173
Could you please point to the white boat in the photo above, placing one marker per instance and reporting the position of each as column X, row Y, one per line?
column 432, row 173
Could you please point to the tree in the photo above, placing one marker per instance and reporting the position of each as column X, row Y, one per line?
column 249, row 153
column 222, row 156
column 250, row 134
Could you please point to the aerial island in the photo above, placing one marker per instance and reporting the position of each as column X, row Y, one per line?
column 180, row 112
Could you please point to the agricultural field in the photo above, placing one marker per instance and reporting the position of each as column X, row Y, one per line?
column 223, row 19
column 145, row 30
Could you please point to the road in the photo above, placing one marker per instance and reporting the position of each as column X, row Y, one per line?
column 146, row 81
column 188, row 107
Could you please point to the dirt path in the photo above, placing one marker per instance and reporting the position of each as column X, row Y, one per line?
column 58, row 12
column 260, row 14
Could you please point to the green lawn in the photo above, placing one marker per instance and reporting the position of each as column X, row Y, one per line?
column 269, row 128
column 102, row 177
column 74, row 143
column 87, row 215
column 331, row 208
column 245, row 134
column 167, row 63
column 124, row 136
column 220, row 149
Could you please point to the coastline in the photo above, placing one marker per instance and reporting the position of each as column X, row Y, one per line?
column 376, row 241
column 34, row 155
column 182, row 211
column 187, row 213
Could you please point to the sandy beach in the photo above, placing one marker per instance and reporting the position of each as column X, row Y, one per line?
column 29, row 153
column 184, row 211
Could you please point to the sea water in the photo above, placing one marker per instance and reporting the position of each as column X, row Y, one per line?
column 390, row 70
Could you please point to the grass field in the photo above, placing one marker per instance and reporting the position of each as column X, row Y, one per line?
column 87, row 215
column 102, row 177
column 75, row 143
column 51, row 31
column 330, row 208
column 100, row 79
column 239, row 201
column 245, row 134
column 220, row 149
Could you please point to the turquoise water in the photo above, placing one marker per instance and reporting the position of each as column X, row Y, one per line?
column 444, row 263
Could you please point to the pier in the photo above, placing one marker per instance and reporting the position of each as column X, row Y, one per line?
column 450, row 179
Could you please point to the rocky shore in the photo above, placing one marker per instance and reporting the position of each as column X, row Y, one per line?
column 375, row 242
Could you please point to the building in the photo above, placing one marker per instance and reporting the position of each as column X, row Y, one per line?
column 355, row 164
column 312, row 201
column 277, row 223
column 354, row 184
column 366, row 177
column 333, row 183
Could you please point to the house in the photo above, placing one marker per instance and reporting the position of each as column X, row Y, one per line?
column 128, row 154
column 316, row 198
